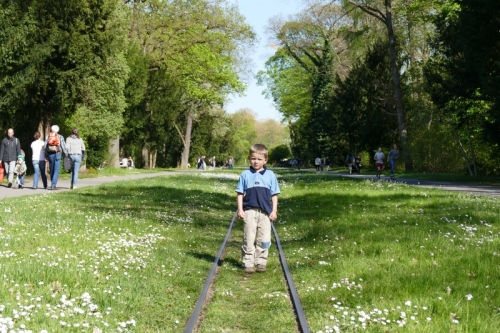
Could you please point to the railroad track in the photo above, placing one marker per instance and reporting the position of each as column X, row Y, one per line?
column 194, row 320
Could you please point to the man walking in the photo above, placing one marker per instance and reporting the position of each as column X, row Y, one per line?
column 393, row 156
column 9, row 150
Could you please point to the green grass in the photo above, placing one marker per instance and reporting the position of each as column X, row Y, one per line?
column 446, row 177
column 437, row 177
column 133, row 256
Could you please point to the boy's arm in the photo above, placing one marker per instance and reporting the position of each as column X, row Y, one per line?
column 239, row 200
column 274, row 214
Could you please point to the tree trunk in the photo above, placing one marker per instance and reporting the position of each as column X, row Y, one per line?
column 144, row 155
column 114, row 152
column 187, row 141
column 152, row 160
column 396, row 79
column 472, row 151
column 464, row 154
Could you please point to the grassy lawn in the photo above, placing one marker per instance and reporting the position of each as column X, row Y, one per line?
column 365, row 256
column 438, row 177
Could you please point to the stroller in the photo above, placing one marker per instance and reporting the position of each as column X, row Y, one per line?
column 17, row 182
column 356, row 166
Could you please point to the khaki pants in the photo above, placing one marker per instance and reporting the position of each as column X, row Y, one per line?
column 9, row 170
column 256, row 238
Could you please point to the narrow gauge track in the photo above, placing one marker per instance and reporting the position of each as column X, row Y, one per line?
column 302, row 324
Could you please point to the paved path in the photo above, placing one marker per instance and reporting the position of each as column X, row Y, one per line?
column 493, row 191
column 63, row 185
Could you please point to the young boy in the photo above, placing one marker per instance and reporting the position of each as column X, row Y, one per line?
column 257, row 197
column 20, row 170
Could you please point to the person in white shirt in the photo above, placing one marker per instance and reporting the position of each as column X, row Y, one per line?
column 38, row 158
column 379, row 161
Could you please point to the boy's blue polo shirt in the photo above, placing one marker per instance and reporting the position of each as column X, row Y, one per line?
column 258, row 188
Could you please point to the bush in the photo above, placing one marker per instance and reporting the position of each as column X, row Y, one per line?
column 279, row 153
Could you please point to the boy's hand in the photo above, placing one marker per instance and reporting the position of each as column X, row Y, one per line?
column 273, row 216
column 241, row 214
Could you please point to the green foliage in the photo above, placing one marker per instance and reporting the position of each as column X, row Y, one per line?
column 271, row 133
column 288, row 84
column 244, row 134
column 212, row 136
column 279, row 153
column 60, row 62
column 364, row 102
column 402, row 255
column 96, row 151
column 191, row 50
column 465, row 63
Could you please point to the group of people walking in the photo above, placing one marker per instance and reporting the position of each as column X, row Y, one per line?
column 391, row 158
column 321, row 162
column 44, row 150
column 353, row 162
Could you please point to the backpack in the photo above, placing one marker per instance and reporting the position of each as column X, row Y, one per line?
column 53, row 143
column 53, row 139
column 317, row 161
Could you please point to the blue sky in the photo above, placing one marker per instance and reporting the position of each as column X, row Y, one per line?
column 257, row 13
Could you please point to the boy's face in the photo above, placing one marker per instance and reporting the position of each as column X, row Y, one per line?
column 257, row 161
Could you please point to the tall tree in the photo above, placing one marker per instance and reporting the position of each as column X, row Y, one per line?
column 56, row 61
column 272, row 133
column 365, row 103
column 464, row 71
column 384, row 13
column 314, row 40
column 243, row 125
column 198, row 42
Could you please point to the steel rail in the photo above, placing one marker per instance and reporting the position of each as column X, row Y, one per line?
column 297, row 305
column 208, row 282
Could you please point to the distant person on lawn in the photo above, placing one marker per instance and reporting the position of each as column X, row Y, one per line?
column 9, row 150
column 257, row 197
column 130, row 162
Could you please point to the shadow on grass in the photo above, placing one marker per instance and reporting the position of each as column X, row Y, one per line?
column 211, row 258
column 336, row 213
column 143, row 199
column 360, row 212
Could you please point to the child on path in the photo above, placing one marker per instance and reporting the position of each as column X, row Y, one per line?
column 379, row 161
column 257, row 197
column 20, row 171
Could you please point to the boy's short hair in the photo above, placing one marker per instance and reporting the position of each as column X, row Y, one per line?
column 259, row 149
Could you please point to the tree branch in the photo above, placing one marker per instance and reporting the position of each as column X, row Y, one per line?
column 370, row 11
column 180, row 133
